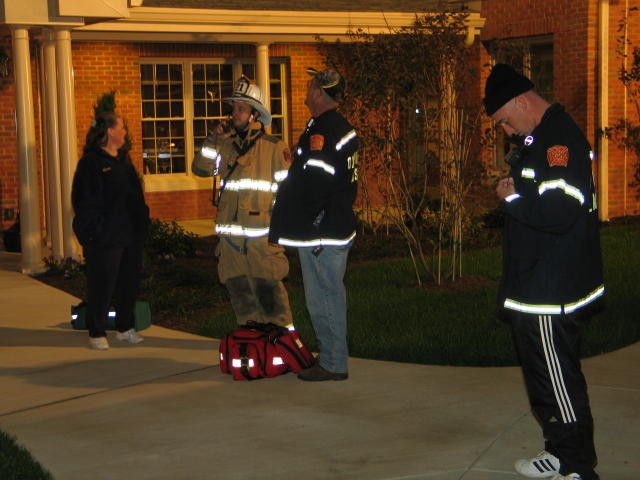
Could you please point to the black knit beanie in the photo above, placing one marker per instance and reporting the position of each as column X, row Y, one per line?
column 503, row 84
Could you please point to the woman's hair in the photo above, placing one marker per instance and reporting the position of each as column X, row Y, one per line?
column 97, row 134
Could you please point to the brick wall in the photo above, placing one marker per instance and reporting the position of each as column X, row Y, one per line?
column 9, row 180
column 98, row 69
column 9, row 168
column 623, row 197
column 103, row 66
column 300, row 57
column 574, row 26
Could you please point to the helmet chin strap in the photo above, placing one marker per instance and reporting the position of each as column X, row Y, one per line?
column 251, row 119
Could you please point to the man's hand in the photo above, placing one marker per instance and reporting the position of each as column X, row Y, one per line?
column 224, row 128
column 505, row 188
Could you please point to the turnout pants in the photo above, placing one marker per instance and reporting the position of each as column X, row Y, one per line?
column 548, row 347
column 253, row 271
column 112, row 275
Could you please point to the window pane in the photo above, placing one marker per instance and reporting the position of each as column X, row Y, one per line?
column 162, row 92
column 542, row 69
column 177, row 165
column 199, row 109
column 226, row 88
column 214, row 109
column 162, row 129
column 146, row 72
column 249, row 70
column 200, row 128
column 276, row 90
column 150, row 144
column 147, row 131
column 212, row 72
column 176, row 91
column 276, row 127
column 162, row 73
column 199, row 91
column 175, row 73
column 274, row 71
column 162, row 109
column 276, row 106
column 177, row 109
column 197, row 72
column 147, row 109
column 177, row 130
column 147, row 92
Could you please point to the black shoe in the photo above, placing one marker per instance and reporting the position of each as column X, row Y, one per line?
column 316, row 373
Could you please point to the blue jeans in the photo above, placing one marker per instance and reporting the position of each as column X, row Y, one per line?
column 326, row 300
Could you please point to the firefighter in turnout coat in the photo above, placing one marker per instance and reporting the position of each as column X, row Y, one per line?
column 552, row 267
column 250, row 165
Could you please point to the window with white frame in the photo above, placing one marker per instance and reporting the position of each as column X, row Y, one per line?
column 183, row 100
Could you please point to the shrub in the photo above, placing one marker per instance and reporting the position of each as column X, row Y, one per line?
column 67, row 267
column 168, row 240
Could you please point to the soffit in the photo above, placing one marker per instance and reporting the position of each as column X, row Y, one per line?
column 323, row 5
column 213, row 25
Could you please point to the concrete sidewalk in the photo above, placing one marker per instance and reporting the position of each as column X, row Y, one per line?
column 162, row 409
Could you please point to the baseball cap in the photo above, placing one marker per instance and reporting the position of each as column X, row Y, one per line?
column 330, row 81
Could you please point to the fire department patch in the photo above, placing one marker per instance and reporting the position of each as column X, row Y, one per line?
column 287, row 156
column 558, row 156
column 316, row 142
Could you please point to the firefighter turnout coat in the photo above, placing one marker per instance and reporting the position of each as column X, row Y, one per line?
column 552, row 261
column 250, row 170
column 315, row 203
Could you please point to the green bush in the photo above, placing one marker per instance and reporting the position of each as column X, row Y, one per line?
column 67, row 267
column 16, row 463
column 168, row 240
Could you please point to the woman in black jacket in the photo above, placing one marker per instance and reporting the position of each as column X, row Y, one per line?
column 111, row 222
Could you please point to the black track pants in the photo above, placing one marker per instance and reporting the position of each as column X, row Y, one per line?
column 548, row 347
column 112, row 275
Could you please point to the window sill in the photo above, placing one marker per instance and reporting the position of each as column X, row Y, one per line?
column 175, row 182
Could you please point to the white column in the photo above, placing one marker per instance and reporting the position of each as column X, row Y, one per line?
column 30, row 234
column 67, row 135
column 53, row 205
column 262, row 73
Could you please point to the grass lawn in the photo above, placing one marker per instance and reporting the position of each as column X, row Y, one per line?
column 391, row 319
column 16, row 463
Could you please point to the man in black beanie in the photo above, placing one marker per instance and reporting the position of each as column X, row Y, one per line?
column 552, row 267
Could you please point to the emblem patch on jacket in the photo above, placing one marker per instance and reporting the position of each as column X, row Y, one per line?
column 558, row 156
column 316, row 142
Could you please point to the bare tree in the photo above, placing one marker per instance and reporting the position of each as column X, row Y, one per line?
column 626, row 132
column 404, row 97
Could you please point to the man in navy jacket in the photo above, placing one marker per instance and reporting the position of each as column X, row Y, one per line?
column 313, row 212
column 552, row 267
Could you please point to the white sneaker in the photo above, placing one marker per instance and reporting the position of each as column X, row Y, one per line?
column 99, row 343
column 570, row 476
column 544, row 465
column 130, row 336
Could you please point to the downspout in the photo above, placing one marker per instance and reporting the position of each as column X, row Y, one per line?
column 624, row 105
column 603, row 110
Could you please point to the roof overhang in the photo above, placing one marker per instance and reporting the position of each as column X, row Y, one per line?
column 150, row 24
